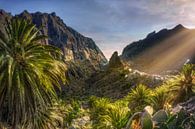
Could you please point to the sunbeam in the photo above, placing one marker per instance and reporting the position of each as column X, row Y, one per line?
column 172, row 53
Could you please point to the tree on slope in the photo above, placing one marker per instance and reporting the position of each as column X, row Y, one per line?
column 28, row 72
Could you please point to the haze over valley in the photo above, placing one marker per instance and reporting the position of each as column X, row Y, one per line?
column 97, row 64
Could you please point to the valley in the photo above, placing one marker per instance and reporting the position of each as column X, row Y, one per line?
column 53, row 77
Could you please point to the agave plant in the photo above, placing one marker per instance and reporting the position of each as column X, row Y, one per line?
column 98, row 106
column 182, row 86
column 160, row 97
column 115, row 116
column 29, row 71
column 139, row 97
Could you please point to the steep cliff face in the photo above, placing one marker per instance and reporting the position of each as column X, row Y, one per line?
column 165, row 50
column 75, row 46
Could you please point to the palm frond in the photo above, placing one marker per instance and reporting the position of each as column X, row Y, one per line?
column 29, row 72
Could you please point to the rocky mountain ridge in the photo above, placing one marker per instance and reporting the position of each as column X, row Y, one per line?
column 74, row 45
column 161, row 51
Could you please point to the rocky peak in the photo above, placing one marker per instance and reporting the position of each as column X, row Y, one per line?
column 25, row 12
column 2, row 12
column 179, row 27
column 4, row 15
column 151, row 34
column 53, row 14
column 115, row 61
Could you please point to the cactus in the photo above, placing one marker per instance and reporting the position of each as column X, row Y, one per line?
column 146, row 121
column 160, row 116
column 160, row 120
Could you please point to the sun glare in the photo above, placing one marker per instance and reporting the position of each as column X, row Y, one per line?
column 171, row 52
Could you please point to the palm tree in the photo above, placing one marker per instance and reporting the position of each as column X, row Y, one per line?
column 28, row 71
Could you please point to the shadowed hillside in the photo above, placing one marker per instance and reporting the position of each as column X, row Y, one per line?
column 162, row 51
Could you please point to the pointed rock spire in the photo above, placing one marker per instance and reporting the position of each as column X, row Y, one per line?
column 115, row 61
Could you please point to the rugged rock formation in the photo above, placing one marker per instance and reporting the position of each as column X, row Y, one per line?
column 115, row 61
column 162, row 51
column 75, row 46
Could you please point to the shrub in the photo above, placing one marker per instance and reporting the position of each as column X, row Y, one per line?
column 182, row 85
column 72, row 111
column 116, row 117
column 109, row 115
column 160, row 97
column 139, row 97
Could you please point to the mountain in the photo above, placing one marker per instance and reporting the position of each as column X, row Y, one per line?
column 162, row 51
column 75, row 46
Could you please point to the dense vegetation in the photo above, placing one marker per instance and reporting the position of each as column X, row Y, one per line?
column 32, row 73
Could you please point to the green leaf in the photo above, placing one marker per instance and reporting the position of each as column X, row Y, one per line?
column 160, row 116
column 146, row 121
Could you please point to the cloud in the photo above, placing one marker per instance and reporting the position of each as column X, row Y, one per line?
column 181, row 11
column 133, row 19
column 113, row 23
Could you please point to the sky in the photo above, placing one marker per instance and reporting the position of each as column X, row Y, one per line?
column 112, row 24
